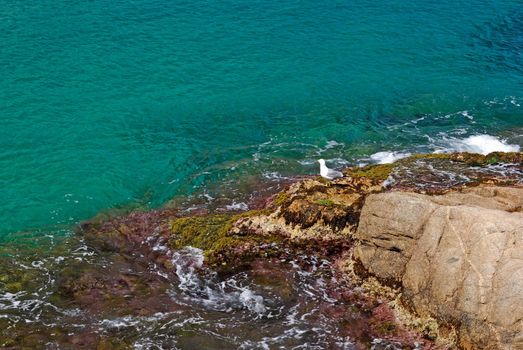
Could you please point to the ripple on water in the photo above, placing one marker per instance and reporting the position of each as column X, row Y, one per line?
column 76, row 295
column 210, row 309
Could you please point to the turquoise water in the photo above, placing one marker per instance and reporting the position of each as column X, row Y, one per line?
column 116, row 103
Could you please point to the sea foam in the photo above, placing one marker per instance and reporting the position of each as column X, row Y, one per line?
column 388, row 157
column 483, row 144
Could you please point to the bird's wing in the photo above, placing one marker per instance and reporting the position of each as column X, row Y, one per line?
column 334, row 173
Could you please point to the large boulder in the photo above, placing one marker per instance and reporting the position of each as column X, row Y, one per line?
column 457, row 257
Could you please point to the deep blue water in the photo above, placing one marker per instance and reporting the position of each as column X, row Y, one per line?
column 107, row 103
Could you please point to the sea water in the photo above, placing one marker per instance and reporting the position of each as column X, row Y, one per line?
column 118, row 103
column 107, row 105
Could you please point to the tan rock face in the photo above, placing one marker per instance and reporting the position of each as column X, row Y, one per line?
column 315, row 209
column 457, row 257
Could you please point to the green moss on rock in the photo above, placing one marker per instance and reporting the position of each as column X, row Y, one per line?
column 211, row 233
column 473, row 159
column 324, row 202
column 491, row 158
column 200, row 231
column 378, row 172
column 425, row 156
column 14, row 287
column 281, row 198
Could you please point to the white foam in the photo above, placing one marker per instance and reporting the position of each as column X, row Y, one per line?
column 388, row 181
column 237, row 206
column 159, row 247
column 444, row 143
column 252, row 301
column 514, row 101
column 274, row 175
column 483, row 144
column 118, row 323
column 225, row 296
column 307, row 161
column 208, row 197
column 37, row 264
column 332, row 144
column 187, row 261
column 466, row 115
column 387, row 157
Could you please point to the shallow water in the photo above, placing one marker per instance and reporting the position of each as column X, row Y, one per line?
column 88, row 299
column 117, row 103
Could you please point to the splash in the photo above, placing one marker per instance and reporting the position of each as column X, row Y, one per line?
column 483, row 144
column 387, row 157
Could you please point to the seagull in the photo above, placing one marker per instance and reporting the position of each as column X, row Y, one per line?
column 328, row 173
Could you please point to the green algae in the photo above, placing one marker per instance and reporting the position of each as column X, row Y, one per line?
column 324, row 202
column 14, row 287
column 474, row 159
column 281, row 198
column 379, row 172
column 204, row 232
column 424, row 156
column 212, row 233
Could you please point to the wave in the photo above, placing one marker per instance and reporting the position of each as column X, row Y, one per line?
column 481, row 143
column 387, row 157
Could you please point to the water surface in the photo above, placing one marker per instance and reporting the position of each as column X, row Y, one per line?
column 117, row 103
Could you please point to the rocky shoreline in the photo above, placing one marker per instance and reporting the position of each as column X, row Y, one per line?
column 427, row 250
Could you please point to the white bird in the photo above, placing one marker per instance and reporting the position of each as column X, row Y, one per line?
column 328, row 173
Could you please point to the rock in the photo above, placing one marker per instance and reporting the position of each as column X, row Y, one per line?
column 442, row 173
column 404, row 239
column 314, row 209
column 457, row 257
